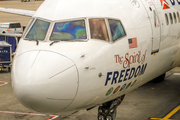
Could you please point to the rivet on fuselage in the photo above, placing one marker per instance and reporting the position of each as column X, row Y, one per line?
column 87, row 67
column 83, row 55
column 100, row 75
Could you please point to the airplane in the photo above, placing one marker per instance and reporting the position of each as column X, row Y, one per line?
column 79, row 54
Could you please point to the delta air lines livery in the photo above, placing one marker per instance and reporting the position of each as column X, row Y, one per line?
column 79, row 54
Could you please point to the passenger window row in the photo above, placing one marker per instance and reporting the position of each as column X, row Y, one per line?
column 172, row 18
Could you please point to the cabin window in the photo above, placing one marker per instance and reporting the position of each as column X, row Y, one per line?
column 98, row 29
column 178, row 17
column 171, row 18
column 38, row 30
column 167, row 20
column 69, row 30
column 174, row 14
column 117, row 30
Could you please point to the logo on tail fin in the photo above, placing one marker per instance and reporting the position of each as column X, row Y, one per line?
column 165, row 4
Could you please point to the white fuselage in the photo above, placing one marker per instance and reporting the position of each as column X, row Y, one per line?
column 72, row 75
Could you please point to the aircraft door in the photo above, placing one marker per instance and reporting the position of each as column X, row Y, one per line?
column 155, row 25
column 156, row 32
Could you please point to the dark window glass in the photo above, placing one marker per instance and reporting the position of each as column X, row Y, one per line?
column 15, row 25
column 171, row 18
column 117, row 30
column 175, row 20
column 38, row 31
column 69, row 30
column 178, row 17
column 98, row 29
column 167, row 20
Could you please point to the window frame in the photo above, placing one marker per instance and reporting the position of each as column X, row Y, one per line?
column 66, row 20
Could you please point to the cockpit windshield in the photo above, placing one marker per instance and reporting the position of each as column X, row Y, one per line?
column 98, row 29
column 105, row 29
column 38, row 30
column 69, row 30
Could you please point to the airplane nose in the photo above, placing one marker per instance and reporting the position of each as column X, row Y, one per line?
column 44, row 81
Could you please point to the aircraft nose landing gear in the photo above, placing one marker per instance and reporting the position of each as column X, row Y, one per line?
column 108, row 110
column 104, row 114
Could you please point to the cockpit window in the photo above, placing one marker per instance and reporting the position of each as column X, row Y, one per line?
column 38, row 30
column 117, row 30
column 98, row 29
column 28, row 26
column 69, row 30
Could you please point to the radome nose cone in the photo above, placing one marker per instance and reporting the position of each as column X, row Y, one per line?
column 44, row 81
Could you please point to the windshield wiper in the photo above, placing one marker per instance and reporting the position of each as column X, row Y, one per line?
column 58, row 41
column 37, row 41
column 54, row 42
